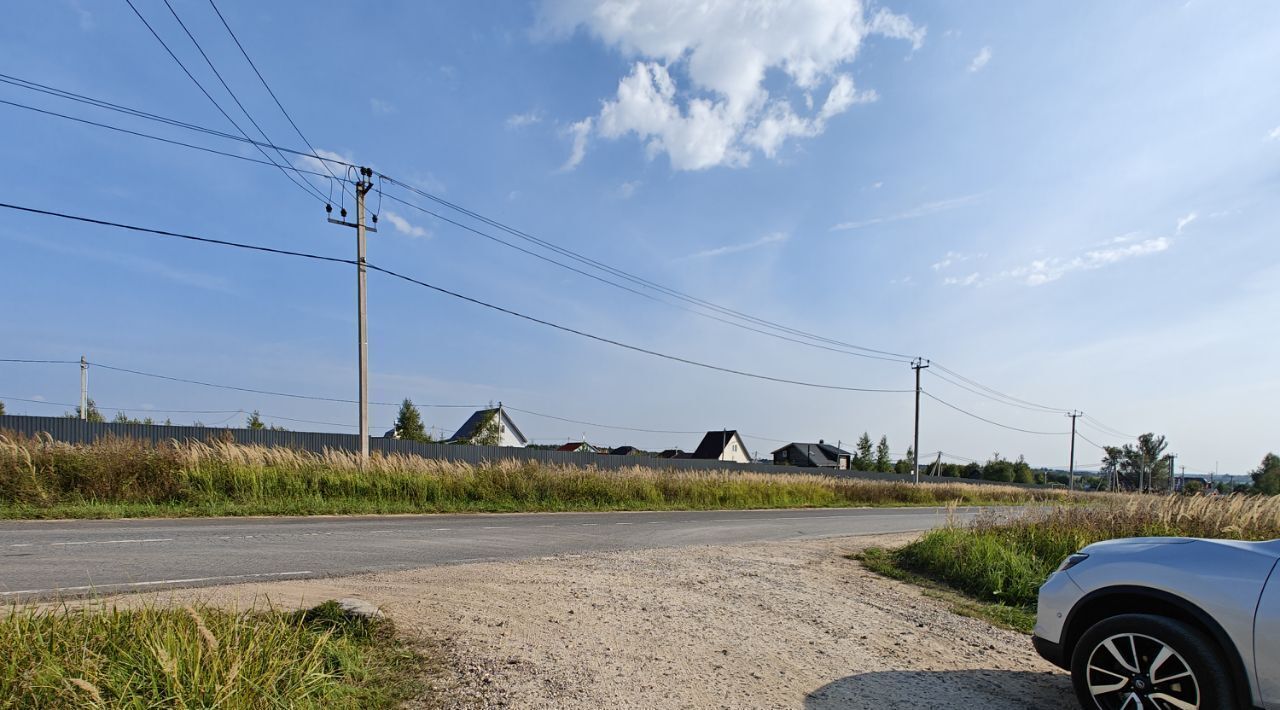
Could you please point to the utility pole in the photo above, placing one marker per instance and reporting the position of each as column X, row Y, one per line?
column 1071, row 466
column 363, row 184
column 84, row 388
column 917, row 364
column 1173, row 475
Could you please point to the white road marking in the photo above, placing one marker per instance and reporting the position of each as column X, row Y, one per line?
column 624, row 523
column 111, row 542
column 189, row 580
column 496, row 527
column 22, row 544
column 589, row 525
column 441, row 529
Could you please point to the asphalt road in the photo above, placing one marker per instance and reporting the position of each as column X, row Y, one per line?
column 44, row 559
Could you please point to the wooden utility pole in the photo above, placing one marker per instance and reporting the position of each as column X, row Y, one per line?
column 1071, row 465
column 917, row 364
column 363, row 184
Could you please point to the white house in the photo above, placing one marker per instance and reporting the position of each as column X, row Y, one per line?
column 725, row 445
column 508, row 433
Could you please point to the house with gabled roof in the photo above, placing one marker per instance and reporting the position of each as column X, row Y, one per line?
column 723, row 445
column 493, row 424
column 819, row 455
column 578, row 447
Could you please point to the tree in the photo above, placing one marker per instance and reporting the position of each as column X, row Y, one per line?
column 122, row 418
column 1266, row 478
column 1144, row 466
column 1, row 409
column 93, row 416
column 255, row 421
column 883, row 462
column 487, row 434
column 408, row 424
column 999, row 469
column 1192, row 488
column 904, row 464
column 1022, row 472
column 862, row 460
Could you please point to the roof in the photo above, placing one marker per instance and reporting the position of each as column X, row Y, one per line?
column 819, row 454
column 481, row 417
column 575, row 445
column 714, row 443
column 673, row 454
column 624, row 451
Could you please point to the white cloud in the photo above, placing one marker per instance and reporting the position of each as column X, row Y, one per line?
column 722, row 50
column 520, row 120
column 953, row 257
column 1043, row 271
column 969, row 280
column 403, row 225
column 923, row 210
column 327, row 162
column 627, row 189
column 1274, row 135
column 1184, row 221
column 980, row 61
column 772, row 238
column 382, row 107
column 579, row 131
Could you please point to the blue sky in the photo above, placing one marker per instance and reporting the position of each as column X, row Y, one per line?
column 1074, row 204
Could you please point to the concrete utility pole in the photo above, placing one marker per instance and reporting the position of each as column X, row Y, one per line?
column 84, row 388
column 917, row 364
column 1071, row 466
column 363, row 184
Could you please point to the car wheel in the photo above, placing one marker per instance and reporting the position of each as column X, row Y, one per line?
column 1145, row 662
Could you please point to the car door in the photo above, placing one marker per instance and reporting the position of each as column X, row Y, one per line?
column 1266, row 642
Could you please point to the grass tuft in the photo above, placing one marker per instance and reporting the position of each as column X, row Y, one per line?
column 199, row 657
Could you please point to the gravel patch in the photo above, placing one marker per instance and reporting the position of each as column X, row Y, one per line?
column 776, row 625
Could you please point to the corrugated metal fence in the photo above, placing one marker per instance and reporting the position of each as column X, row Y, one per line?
column 76, row 431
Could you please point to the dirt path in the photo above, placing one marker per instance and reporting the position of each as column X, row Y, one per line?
column 779, row 625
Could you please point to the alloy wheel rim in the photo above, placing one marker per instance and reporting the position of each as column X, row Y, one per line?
column 1140, row 672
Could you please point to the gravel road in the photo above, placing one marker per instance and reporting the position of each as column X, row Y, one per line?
column 762, row 625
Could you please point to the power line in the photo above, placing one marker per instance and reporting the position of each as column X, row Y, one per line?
column 631, row 277
column 996, row 394
column 1108, row 430
column 40, row 362
column 990, row 421
column 624, row 287
column 981, row 393
column 267, row 86
column 306, row 186
column 438, row 289
column 153, row 137
column 982, row 390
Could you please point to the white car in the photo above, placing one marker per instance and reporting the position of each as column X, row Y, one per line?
column 1166, row 624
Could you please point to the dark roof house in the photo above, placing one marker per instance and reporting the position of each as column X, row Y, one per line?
column 508, row 433
column 673, row 454
column 626, row 451
column 724, row 445
column 819, row 455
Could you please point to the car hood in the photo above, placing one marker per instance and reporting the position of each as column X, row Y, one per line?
column 1270, row 548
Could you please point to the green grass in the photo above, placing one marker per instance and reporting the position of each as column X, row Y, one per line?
column 112, row 478
column 999, row 564
column 888, row 563
column 201, row 657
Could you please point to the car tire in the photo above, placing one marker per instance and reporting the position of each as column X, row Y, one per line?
column 1114, row 659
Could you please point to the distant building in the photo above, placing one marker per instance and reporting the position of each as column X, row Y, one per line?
column 673, row 454
column 725, row 445
column 578, row 447
column 819, row 455
column 508, row 433
column 626, row 451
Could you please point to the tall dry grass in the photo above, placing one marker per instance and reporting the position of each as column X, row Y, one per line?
column 42, row 477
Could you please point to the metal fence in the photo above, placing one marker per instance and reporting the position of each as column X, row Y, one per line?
column 76, row 431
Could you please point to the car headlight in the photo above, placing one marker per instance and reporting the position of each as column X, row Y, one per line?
column 1072, row 560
